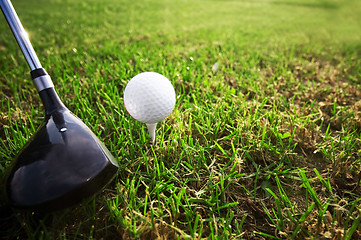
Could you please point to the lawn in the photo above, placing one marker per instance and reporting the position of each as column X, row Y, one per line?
column 265, row 138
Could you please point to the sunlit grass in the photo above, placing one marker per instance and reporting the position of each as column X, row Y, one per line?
column 264, row 140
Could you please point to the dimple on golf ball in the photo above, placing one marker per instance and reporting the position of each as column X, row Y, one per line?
column 149, row 97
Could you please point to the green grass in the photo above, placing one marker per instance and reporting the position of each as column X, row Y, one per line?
column 265, row 147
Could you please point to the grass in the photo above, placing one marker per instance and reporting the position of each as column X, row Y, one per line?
column 266, row 146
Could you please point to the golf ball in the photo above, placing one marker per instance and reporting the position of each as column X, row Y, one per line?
column 149, row 97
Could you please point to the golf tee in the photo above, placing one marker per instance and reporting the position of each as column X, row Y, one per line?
column 151, row 129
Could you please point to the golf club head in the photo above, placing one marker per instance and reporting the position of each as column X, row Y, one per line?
column 62, row 164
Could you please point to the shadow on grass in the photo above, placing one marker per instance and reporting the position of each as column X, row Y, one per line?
column 10, row 227
column 319, row 4
column 90, row 219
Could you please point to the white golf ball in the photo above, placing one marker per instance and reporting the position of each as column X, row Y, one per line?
column 149, row 97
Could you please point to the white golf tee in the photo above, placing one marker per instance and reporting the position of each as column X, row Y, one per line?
column 151, row 129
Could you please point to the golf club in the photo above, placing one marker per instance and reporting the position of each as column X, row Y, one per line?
column 64, row 162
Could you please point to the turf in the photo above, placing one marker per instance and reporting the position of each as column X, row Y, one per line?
column 263, row 143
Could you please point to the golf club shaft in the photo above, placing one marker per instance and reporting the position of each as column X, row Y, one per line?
column 40, row 77
column 20, row 34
